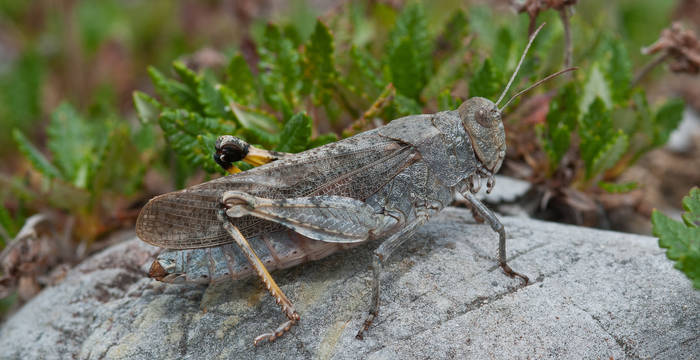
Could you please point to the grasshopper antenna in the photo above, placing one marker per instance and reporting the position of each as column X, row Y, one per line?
column 517, row 68
column 536, row 85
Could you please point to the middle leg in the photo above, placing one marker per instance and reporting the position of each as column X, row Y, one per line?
column 380, row 256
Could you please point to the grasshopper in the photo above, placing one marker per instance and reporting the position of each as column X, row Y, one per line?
column 381, row 184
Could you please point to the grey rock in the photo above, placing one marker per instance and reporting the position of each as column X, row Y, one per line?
column 594, row 294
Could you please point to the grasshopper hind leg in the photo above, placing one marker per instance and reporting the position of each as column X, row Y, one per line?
column 281, row 299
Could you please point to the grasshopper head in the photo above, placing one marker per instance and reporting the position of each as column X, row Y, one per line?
column 482, row 121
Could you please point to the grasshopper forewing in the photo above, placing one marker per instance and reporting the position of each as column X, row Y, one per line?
column 377, row 185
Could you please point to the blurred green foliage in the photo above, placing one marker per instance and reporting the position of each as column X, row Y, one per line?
column 613, row 121
column 89, row 161
column 302, row 81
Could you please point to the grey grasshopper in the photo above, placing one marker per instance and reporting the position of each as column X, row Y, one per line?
column 381, row 184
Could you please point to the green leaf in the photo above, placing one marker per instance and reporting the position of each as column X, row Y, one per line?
column 406, row 106
column 174, row 91
column 406, row 74
column 503, row 48
column 182, row 130
column 240, row 80
column 72, row 142
column 187, row 76
column 320, row 62
column 595, row 87
column 560, row 123
column 7, row 223
column 254, row 119
column 323, row 140
column 601, row 144
column 681, row 240
column 211, row 98
column 367, row 70
column 35, row 157
column 691, row 204
column 20, row 94
column 410, row 52
column 147, row 107
column 455, row 30
column 446, row 101
column 95, row 21
column 412, row 24
column 619, row 71
column 296, row 134
column 618, row 188
column 666, row 120
column 280, row 71
column 486, row 82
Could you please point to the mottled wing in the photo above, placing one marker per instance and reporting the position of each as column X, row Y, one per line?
column 356, row 167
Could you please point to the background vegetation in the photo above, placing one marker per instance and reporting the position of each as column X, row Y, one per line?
column 107, row 103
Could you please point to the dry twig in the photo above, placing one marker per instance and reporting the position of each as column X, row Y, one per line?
column 679, row 45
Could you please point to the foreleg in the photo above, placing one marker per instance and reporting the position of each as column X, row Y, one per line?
column 496, row 225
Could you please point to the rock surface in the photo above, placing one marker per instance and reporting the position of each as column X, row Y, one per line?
column 594, row 294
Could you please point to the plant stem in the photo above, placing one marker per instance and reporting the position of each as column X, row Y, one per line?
column 568, row 49
column 648, row 67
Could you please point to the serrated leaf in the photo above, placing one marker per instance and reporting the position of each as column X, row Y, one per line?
column 210, row 97
column 691, row 204
column 619, row 71
column 601, row 144
column 280, row 71
column 503, row 48
column 20, row 92
column 446, row 101
column 455, row 30
column 254, row 119
column 406, row 106
column 147, row 108
column 610, row 153
column 409, row 51
column 486, row 82
column 35, row 157
column 681, row 240
column 72, row 142
column 367, row 69
column 412, row 24
column 174, row 91
column 618, row 188
column 240, row 79
column 595, row 87
column 296, row 134
column 320, row 62
column 187, row 76
column 182, row 130
column 406, row 73
column 207, row 143
column 560, row 123
column 666, row 120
